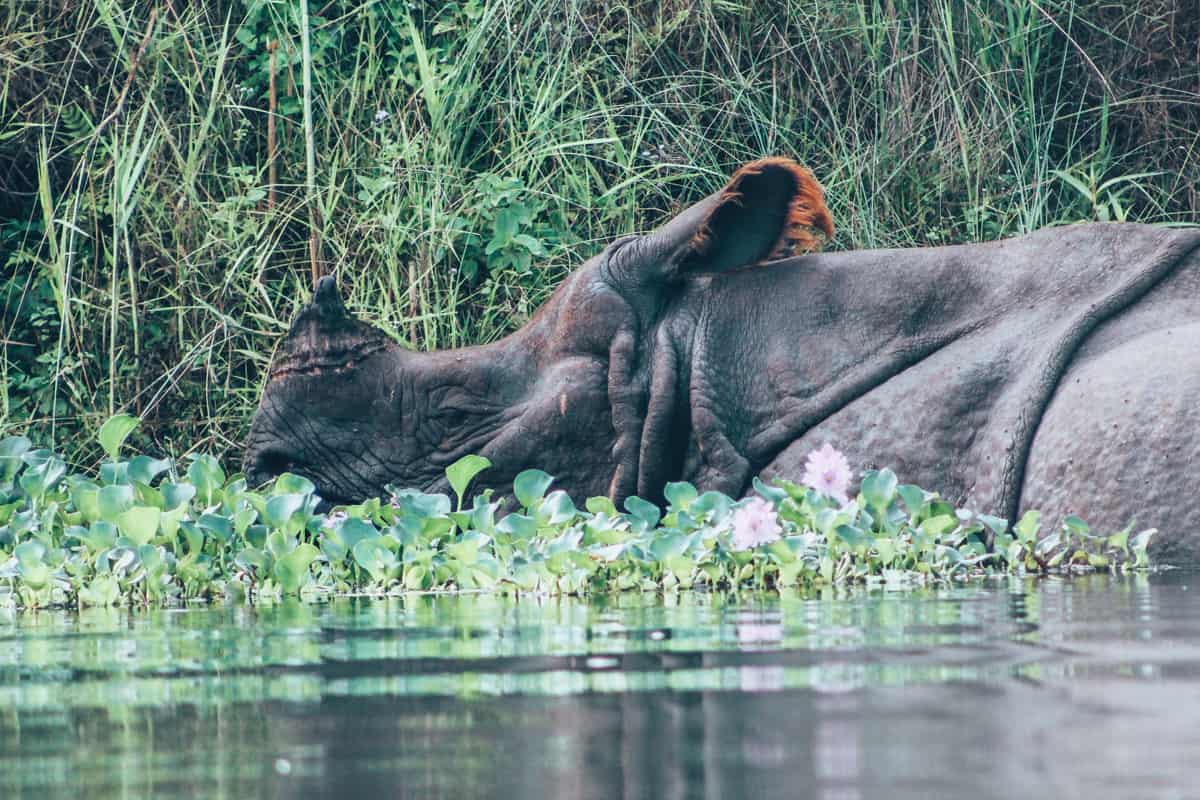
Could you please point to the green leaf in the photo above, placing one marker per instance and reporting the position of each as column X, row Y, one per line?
column 112, row 501
column 1027, row 529
column 11, row 450
column 530, row 487
column 680, row 495
column 375, row 558
column 997, row 525
column 879, row 488
column 518, row 526
column 645, row 512
column 852, row 536
column 353, row 531
column 289, row 483
column 280, row 508
column 1075, row 525
column 1140, row 543
column 145, row 469
column 292, row 569
column 942, row 523
column 97, row 536
column 220, row 526
column 139, row 524
column 913, row 497
column 176, row 494
column 31, row 564
column 206, row 475
column 601, row 505
column 556, row 509
column 85, row 496
column 772, row 493
column 114, row 432
column 462, row 472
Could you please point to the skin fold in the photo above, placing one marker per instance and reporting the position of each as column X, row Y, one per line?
column 1054, row 370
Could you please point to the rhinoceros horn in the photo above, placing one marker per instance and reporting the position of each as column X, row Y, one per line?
column 324, row 336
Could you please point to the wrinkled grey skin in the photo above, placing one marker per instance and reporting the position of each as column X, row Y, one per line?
column 1057, row 371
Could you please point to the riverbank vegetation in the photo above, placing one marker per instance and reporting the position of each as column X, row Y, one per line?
column 151, row 531
column 173, row 174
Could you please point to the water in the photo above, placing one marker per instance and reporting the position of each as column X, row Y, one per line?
column 1081, row 688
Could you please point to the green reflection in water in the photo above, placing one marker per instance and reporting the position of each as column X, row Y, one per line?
column 435, row 691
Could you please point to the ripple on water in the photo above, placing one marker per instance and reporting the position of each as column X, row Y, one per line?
column 858, row 693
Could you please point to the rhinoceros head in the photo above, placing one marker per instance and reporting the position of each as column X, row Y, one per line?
column 568, row 393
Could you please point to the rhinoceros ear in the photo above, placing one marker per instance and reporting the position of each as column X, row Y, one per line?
column 772, row 208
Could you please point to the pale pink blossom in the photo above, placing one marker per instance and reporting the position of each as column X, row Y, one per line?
column 334, row 518
column 755, row 522
column 828, row 472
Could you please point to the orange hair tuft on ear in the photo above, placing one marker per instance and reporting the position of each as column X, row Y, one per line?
column 807, row 224
column 807, row 215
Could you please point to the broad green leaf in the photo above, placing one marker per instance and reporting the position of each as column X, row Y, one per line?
column 1075, row 525
column 292, row 570
column 462, row 472
column 85, row 495
column 11, row 450
column 31, row 564
column 97, row 536
column 879, row 488
column 139, row 524
column 680, row 495
column 601, row 505
column 852, row 536
column 114, row 432
column 145, row 469
column 518, row 526
column 176, row 494
column 936, row 526
column 997, row 525
column 1028, row 527
column 353, row 531
column 556, row 509
column 289, row 483
column 913, row 497
column 530, row 487
column 644, row 511
column 112, row 501
column 772, row 493
column 280, row 508
column 206, row 475
column 221, row 527
column 375, row 558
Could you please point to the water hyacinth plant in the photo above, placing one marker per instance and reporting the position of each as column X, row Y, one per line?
column 146, row 530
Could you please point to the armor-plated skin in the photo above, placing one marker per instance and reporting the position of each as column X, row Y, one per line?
column 1055, row 370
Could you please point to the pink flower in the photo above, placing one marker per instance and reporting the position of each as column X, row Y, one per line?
column 755, row 522
column 828, row 472
column 334, row 518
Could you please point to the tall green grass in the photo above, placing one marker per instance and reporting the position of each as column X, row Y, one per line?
column 453, row 160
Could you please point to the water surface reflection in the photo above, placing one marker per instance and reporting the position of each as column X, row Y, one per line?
column 1087, row 687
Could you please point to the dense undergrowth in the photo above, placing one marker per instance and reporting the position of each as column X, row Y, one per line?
column 150, row 531
column 171, row 174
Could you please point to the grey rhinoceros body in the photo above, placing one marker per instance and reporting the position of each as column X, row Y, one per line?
column 1056, row 371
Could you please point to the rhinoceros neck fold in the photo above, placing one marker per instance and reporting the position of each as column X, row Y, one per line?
column 938, row 361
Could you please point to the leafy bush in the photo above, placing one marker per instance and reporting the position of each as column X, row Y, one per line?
column 157, row 205
column 146, row 530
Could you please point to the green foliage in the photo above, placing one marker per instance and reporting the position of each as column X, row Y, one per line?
column 467, row 154
column 148, row 534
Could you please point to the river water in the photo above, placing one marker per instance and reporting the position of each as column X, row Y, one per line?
column 1088, row 687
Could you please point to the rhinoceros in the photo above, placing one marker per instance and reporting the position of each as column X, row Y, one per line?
column 1059, row 370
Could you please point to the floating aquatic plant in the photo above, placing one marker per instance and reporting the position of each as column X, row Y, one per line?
column 148, row 530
